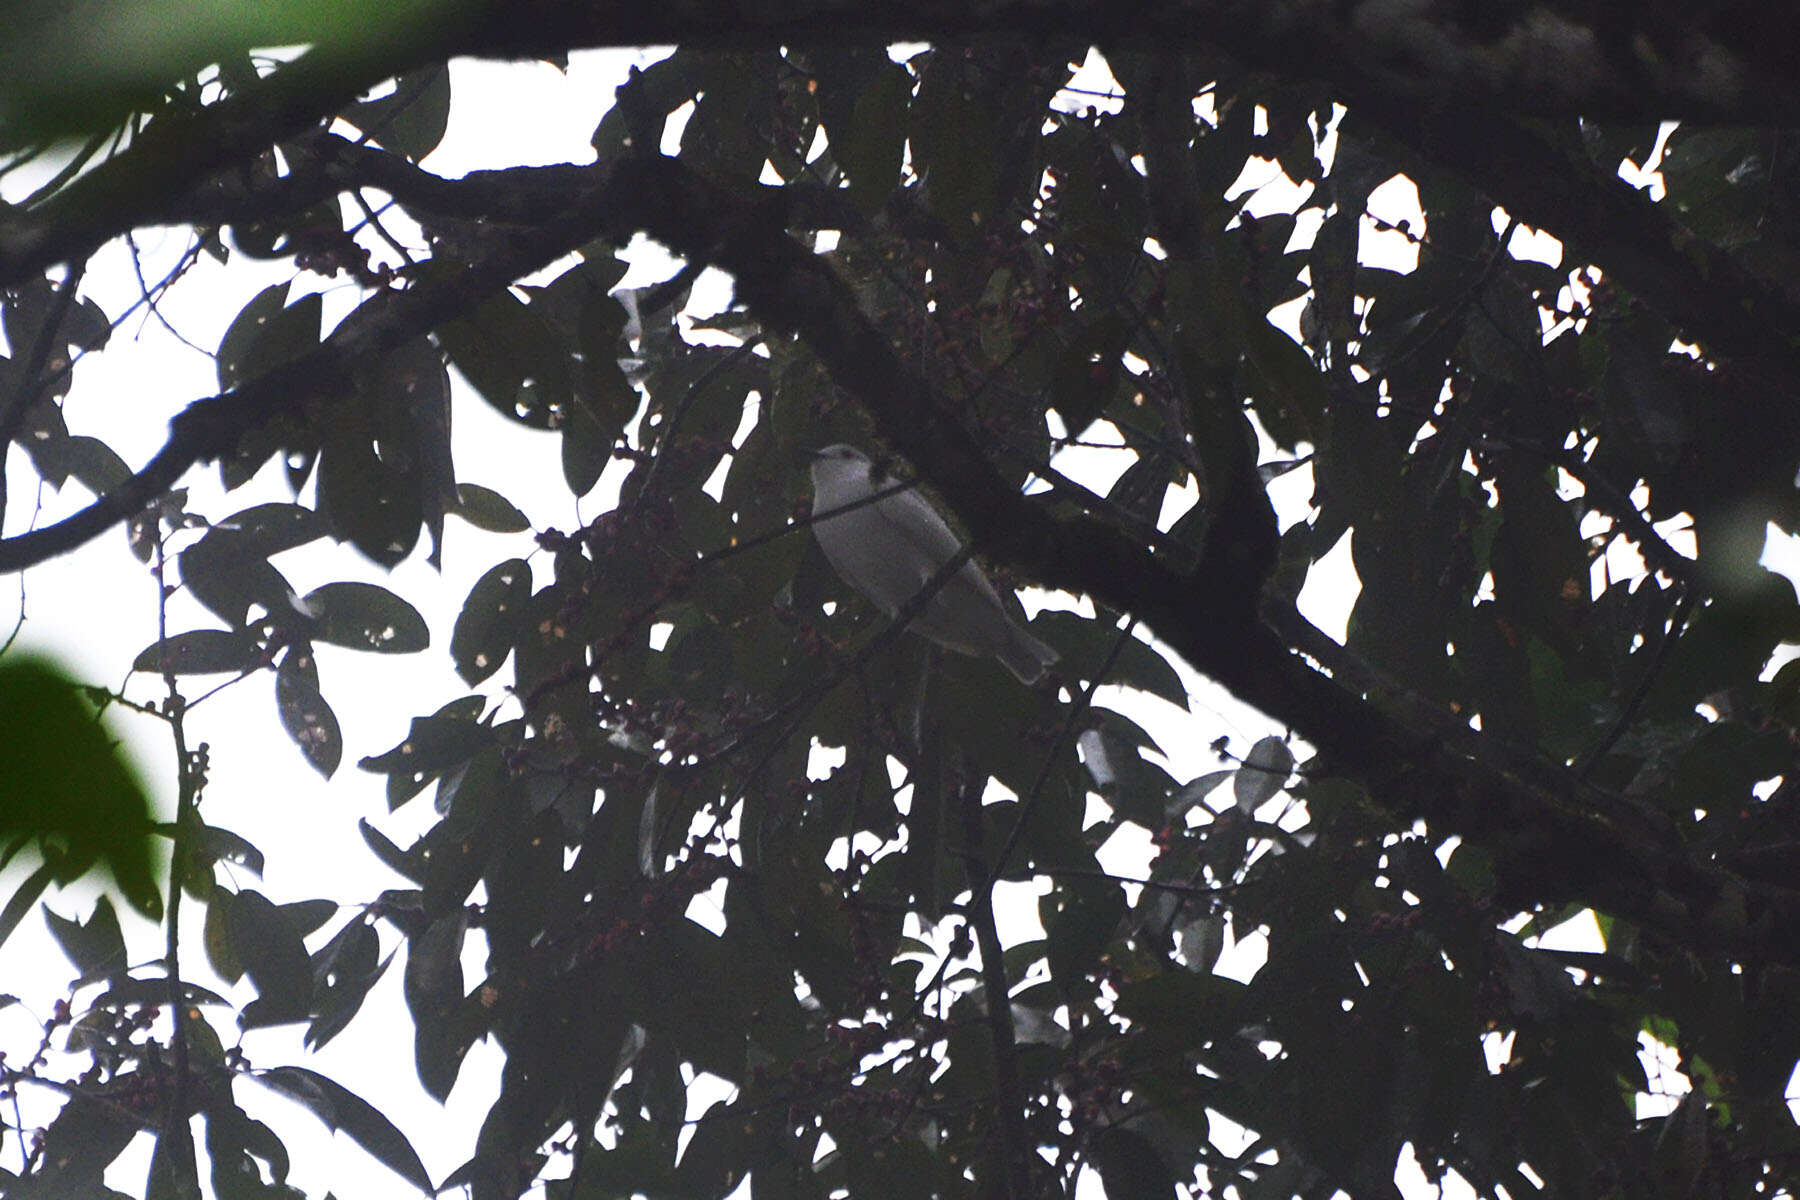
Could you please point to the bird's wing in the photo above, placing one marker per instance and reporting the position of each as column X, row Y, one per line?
column 910, row 518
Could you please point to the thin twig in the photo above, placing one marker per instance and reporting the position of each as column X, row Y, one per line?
column 175, row 1118
column 762, row 539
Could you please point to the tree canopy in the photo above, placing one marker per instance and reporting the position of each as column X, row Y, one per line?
column 1561, row 688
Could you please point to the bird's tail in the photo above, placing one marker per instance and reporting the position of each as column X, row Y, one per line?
column 1025, row 656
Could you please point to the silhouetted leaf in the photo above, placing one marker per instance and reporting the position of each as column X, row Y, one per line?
column 268, row 945
column 490, row 620
column 870, row 149
column 363, row 616
column 265, row 334
column 412, row 117
column 230, row 576
column 342, row 1110
column 304, row 713
column 487, row 509
column 202, row 652
column 96, row 946
column 513, row 359
column 449, row 736
column 343, row 972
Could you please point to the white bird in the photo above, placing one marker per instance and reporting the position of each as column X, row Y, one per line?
column 889, row 549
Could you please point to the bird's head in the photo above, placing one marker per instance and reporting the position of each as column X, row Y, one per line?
column 838, row 464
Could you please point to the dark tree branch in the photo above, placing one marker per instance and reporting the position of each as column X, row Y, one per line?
column 1438, row 78
column 1552, row 837
column 1734, row 62
column 1697, row 286
column 210, row 428
column 1627, row 61
column 139, row 186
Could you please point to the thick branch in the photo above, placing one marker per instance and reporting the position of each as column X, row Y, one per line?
column 210, row 428
column 1624, row 61
column 1434, row 75
column 1552, row 838
column 1697, row 286
column 141, row 185
column 1731, row 62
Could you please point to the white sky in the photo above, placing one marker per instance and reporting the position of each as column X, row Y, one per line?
column 97, row 610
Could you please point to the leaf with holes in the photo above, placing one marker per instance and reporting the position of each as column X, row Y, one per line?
column 363, row 616
column 343, row 972
column 304, row 713
column 513, row 358
column 449, row 736
column 489, row 622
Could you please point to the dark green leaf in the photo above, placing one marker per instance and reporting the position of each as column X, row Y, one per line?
column 63, row 780
column 265, row 335
column 487, row 509
column 96, row 464
column 1264, row 773
column 364, row 616
column 514, row 360
column 218, row 843
column 229, row 576
column 304, row 713
column 220, row 953
column 308, row 916
column 434, row 997
column 268, row 529
column 871, row 148
column 343, row 972
column 342, row 1110
column 412, row 118
column 96, row 946
column 490, row 620
column 369, row 502
column 449, row 736
column 268, row 945
column 395, row 859
column 202, row 652
column 154, row 993
column 79, row 1145
column 1130, row 1166
column 173, row 1172
column 232, row 1139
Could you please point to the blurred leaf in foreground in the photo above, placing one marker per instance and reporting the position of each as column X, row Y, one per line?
column 66, row 786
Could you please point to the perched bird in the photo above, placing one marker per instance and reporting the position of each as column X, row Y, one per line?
column 891, row 548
